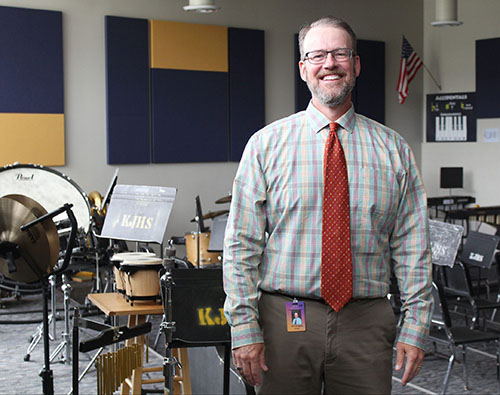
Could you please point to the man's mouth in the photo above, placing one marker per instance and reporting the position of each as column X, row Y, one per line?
column 331, row 77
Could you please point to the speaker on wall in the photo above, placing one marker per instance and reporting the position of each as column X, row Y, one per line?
column 452, row 177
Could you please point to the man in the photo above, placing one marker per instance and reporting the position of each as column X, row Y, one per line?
column 279, row 248
column 296, row 319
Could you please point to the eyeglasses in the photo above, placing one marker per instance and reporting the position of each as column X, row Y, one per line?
column 318, row 57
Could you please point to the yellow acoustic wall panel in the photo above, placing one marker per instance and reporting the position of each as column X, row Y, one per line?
column 32, row 138
column 188, row 46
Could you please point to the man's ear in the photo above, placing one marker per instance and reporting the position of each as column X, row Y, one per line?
column 357, row 63
column 302, row 69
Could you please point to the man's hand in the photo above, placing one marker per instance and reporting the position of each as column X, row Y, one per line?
column 414, row 358
column 249, row 360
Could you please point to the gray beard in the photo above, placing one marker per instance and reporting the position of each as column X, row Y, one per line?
column 332, row 100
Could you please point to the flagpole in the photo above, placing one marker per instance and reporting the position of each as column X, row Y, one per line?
column 435, row 81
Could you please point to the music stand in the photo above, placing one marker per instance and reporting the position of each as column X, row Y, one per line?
column 218, row 231
column 109, row 191
column 445, row 240
column 200, row 226
column 479, row 249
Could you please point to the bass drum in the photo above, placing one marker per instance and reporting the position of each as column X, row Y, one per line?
column 50, row 188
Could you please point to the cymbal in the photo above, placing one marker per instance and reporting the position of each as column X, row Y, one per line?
column 48, row 225
column 32, row 243
column 225, row 199
column 212, row 214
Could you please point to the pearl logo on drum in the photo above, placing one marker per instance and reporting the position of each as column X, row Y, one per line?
column 23, row 177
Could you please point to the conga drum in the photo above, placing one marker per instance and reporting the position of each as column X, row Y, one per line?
column 141, row 278
column 206, row 258
column 117, row 259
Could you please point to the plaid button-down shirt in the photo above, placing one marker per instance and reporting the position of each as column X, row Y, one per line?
column 273, row 234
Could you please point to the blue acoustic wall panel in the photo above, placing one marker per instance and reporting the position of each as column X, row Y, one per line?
column 31, row 65
column 487, row 78
column 246, row 87
column 369, row 93
column 189, row 114
column 128, row 90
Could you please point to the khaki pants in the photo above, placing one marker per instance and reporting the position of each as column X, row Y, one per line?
column 349, row 352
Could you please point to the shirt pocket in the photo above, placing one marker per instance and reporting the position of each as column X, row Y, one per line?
column 374, row 198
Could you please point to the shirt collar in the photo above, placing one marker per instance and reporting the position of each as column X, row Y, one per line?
column 319, row 121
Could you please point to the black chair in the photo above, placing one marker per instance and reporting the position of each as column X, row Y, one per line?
column 457, row 283
column 442, row 331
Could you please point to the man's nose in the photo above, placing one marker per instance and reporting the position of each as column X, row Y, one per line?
column 330, row 60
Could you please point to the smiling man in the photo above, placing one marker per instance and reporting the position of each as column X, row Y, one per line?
column 326, row 205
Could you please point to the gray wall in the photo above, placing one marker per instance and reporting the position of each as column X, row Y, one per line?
column 450, row 54
column 84, row 77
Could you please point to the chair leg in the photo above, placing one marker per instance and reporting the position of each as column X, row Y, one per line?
column 435, row 347
column 464, row 359
column 475, row 319
column 447, row 375
column 494, row 312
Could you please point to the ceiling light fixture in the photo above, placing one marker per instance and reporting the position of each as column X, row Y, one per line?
column 446, row 13
column 202, row 6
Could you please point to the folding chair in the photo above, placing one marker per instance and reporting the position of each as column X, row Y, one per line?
column 443, row 332
column 477, row 253
column 458, row 283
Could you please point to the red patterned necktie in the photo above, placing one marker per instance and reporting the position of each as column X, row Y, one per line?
column 336, row 265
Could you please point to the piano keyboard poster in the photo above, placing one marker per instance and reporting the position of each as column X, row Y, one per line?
column 451, row 117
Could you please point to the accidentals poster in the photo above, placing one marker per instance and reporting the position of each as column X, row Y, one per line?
column 451, row 117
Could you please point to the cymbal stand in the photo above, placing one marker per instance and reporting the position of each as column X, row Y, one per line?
column 37, row 336
column 65, row 345
column 46, row 373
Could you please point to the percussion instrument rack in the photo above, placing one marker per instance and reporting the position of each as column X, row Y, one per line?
column 486, row 214
column 447, row 203
column 108, row 335
column 168, row 326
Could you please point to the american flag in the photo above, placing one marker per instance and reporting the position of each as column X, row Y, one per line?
column 410, row 64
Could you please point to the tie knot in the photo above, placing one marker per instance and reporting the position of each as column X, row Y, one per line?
column 333, row 126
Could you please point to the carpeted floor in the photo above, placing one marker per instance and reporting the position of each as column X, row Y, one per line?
column 21, row 376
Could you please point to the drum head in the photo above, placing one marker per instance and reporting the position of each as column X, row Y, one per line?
column 121, row 256
column 49, row 188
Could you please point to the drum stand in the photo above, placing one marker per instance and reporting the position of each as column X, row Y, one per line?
column 37, row 336
column 173, row 261
column 65, row 345
column 168, row 327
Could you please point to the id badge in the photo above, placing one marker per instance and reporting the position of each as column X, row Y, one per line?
column 295, row 316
